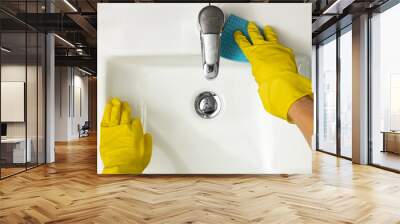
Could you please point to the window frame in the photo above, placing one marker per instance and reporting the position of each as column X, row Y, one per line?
column 334, row 37
column 381, row 9
column 27, row 29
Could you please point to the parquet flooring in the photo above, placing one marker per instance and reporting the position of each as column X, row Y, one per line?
column 10, row 171
column 70, row 191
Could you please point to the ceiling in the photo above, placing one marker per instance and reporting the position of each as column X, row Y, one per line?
column 74, row 21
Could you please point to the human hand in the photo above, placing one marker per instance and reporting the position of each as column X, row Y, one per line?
column 124, row 148
column 274, row 69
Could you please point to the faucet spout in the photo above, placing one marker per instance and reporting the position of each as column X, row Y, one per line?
column 211, row 22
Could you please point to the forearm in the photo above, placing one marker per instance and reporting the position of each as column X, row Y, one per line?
column 301, row 113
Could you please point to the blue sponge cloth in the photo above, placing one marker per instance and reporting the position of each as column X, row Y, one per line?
column 229, row 48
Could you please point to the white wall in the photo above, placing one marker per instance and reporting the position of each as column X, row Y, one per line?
column 62, row 81
column 10, row 73
column 70, row 83
column 14, row 73
column 34, row 125
column 79, row 117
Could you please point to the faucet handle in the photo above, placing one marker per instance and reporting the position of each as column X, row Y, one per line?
column 211, row 20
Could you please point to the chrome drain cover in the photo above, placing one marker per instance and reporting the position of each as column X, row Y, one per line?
column 207, row 104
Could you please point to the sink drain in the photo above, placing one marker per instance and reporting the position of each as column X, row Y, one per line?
column 207, row 104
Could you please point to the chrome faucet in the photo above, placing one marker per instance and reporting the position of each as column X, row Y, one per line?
column 211, row 22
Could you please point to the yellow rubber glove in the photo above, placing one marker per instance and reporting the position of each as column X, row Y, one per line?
column 123, row 147
column 274, row 69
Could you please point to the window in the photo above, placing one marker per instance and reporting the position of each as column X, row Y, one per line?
column 327, row 96
column 22, row 77
column 346, row 92
column 385, row 89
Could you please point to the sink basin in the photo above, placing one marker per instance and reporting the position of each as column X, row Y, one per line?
column 161, row 79
column 242, row 138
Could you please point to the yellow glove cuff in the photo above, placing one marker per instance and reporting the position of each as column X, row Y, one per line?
column 279, row 93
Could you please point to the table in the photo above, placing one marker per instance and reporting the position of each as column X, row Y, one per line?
column 16, row 147
column 391, row 141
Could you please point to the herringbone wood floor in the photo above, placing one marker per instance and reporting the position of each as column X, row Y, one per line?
column 69, row 191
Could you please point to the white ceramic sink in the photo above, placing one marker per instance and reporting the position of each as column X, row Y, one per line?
column 162, row 84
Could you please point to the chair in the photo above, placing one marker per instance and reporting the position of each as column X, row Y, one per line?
column 84, row 130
